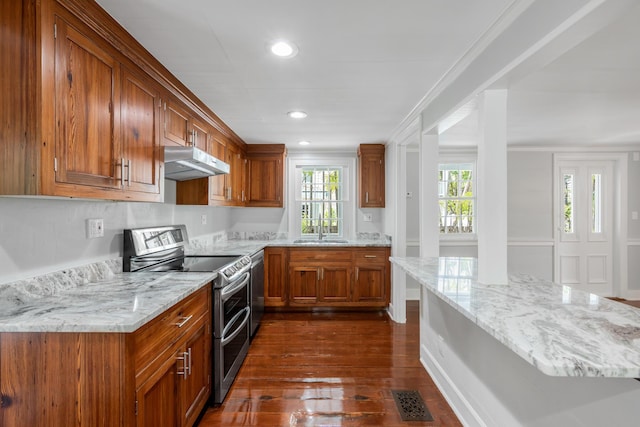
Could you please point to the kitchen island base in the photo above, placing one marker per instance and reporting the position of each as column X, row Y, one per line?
column 487, row 384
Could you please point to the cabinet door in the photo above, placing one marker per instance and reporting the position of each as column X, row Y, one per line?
column 196, row 386
column 157, row 399
column 264, row 183
column 275, row 278
column 199, row 137
column 372, row 276
column 87, row 86
column 370, row 284
column 303, row 284
column 235, row 179
column 335, row 283
column 218, row 149
column 176, row 124
column 140, row 110
column 371, row 176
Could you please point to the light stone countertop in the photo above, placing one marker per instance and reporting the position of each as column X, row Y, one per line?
column 559, row 330
column 121, row 303
column 99, row 297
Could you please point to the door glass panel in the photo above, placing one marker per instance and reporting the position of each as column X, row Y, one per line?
column 596, row 203
column 568, row 199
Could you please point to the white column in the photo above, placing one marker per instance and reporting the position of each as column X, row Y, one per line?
column 398, row 306
column 429, row 212
column 491, row 185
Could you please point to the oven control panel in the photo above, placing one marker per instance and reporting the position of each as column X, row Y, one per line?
column 238, row 267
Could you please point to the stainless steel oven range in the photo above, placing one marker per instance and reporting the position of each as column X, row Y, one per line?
column 161, row 249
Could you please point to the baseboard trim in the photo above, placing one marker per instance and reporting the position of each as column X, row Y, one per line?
column 632, row 294
column 460, row 405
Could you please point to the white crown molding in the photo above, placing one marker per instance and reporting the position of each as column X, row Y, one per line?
column 506, row 18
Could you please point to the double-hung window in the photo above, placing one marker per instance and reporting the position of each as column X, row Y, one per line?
column 456, row 198
column 321, row 201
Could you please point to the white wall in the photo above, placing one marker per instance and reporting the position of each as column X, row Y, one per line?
column 530, row 216
column 41, row 235
column 634, row 224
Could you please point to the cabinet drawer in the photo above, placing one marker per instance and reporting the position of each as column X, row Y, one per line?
column 323, row 254
column 371, row 256
column 161, row 333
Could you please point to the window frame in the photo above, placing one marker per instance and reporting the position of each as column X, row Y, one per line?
column 294, row 205
column 460, row 159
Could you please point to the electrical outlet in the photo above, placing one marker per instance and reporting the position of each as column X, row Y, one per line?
column 95, row 228
column 203, row 219
column 368, row 217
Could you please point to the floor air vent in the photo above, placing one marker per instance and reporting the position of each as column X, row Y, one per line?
column 411, row 406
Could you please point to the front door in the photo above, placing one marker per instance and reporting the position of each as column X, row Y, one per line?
column 584, row 225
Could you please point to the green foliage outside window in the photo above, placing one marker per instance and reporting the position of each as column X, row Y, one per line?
column 456, row 199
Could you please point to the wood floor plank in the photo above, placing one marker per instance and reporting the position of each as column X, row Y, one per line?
column 330, row 369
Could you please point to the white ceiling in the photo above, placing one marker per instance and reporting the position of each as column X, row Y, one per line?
column 588, row 96
column 363, row 65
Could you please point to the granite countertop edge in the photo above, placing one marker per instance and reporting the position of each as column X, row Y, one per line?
column 99, row 297
column 561, row 331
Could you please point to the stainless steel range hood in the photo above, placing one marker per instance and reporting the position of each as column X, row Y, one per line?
column 184, row 163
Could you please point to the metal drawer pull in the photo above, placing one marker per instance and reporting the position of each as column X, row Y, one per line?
column 371, row 256
column 184, row 321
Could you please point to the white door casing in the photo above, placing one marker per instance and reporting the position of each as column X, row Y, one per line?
column 584, row 214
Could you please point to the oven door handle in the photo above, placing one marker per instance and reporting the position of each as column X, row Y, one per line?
column 225, row 339
column 227, row 291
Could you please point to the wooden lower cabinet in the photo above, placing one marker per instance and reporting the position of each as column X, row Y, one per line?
column 327, row 277
column 175, row 393
column 275, row 276
column 372, row 275
column 159, row 375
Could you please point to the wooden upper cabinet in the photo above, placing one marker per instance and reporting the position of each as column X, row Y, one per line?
column 199, row 137
column 235, row 181
column 87, row 78
column 218, row 149
column 182, row 127
column 371, row 180
column 81, row 106
column 265, row 175
column 176, row 129
column 140, row 118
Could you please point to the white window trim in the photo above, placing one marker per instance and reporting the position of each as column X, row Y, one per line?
column 349, row 179
column 463, row 158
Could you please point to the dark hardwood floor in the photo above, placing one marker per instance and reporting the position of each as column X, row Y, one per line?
column 330, row 369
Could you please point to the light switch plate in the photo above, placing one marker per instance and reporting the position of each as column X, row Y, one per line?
column 367, row 217
column 95, row 228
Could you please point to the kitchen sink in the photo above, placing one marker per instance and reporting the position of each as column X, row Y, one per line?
column 321, row 242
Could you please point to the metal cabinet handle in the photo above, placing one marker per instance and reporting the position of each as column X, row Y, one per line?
column 366, row 197
column 185, row 368
column 371, row 256
column 184, row 321
column 188, row 353
column 122, row 170
column 129, row 173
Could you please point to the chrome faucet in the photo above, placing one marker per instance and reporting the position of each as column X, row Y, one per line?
column 320, row 227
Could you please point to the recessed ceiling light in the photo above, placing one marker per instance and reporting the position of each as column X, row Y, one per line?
column 297, row 114
column 304, row 143
column 284, row 49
